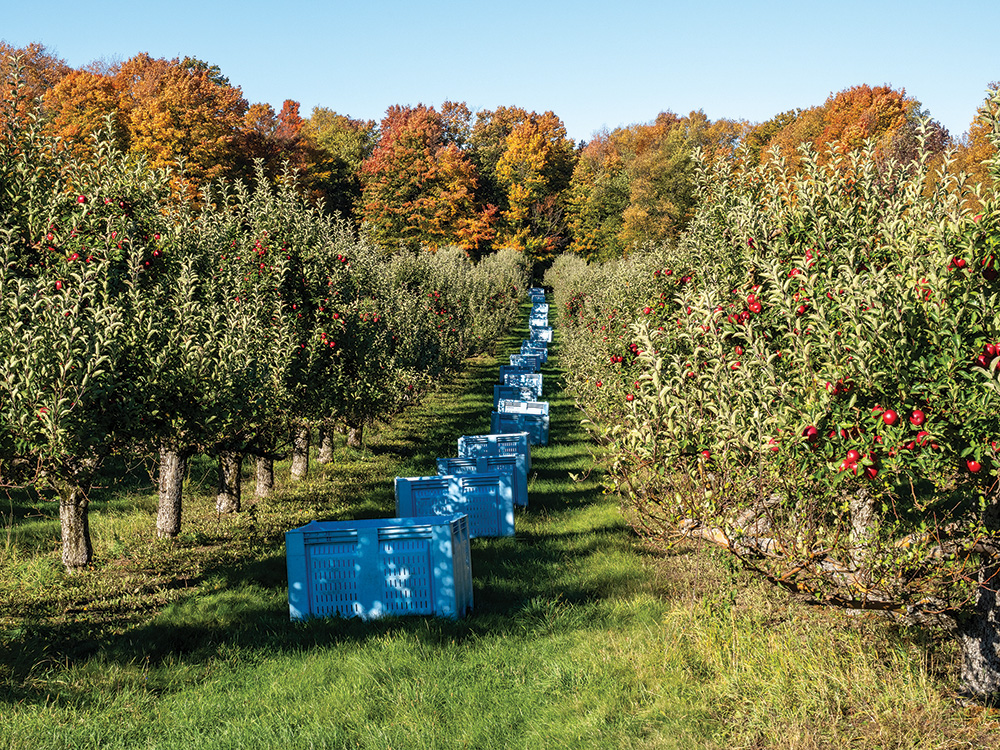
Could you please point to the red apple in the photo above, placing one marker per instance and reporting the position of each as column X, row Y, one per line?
column 917, row 418
column 973, row 465
column 890, row 417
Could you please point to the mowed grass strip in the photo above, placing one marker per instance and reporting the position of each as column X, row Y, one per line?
column 581, row 637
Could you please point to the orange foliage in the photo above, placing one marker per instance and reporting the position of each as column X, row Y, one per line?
column 419, row 189
column 79, row 105
column 174, row 113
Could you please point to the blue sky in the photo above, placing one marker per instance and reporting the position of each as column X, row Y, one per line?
column 594, row 64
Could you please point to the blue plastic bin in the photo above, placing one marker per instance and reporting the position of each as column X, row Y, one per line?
column 530, row 362
column 487, row 498
column 520, row 416
column 512, row 392
column 513, row 465
column 532, row 380
column 536, row 349
column 380, row 567
column 505, row 444
column 541, row 334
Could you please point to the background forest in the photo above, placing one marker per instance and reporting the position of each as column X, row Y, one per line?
column 434, row 177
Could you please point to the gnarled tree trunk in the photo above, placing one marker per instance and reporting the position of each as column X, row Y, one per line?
column 77, row 550
column 979, row 634
column 355, row 435
column 173, row 465
column 325, row 453
column 979, row 637
column 230, row 482
column 862, row 503
column 300, row 452
column 265, row 477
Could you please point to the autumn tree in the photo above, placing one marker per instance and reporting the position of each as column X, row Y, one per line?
column 535, row 170
column 847, row 121
column 418, row 189
column 486, row 144
column 81, row 104
column 342, row 144
column 176, row 112
column 598, row 196
column 635, row 186
column 975, row 150
column 35, row 69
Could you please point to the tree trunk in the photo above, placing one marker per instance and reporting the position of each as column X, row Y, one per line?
column 265, row 476
column 862, row 504
column 979, row 637
column 173, row 465
column 230, row 482
column 77, row 550
column 325, row 454
column 355, row 433
column 300, row 452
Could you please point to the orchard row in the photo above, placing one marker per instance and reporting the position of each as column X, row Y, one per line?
column 132, row 322
column 810, row 379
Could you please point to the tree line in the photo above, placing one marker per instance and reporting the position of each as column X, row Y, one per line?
column 435, row 177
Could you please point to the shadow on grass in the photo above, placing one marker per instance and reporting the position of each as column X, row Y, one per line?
column 519, row 583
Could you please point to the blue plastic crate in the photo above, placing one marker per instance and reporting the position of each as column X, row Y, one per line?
column 513, row 392
column 535, row 424
column 380, row 567
column 513, row 465
column 541, row 334
column 487, row 498
column 537, row 321
column 505, row 444
column 532, row 380
column 535, row 349
column 508, row 370
column 540, row 308
column 530, row 362
column 522, row 406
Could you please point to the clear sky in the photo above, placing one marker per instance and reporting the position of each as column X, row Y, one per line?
column 595, row 64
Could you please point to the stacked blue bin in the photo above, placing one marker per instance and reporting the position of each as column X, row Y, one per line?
column 420, row 562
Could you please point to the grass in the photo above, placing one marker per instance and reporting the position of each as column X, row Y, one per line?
column 582, row 636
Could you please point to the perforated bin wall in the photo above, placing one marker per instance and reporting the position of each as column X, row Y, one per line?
column 530, row 362
column 536, row 425
column 487, row 498
column 506, row 444
column 514, row 392
column 532, row 380
column 537, row 349
column 540, row 334
column 379, row 567
column 514, row 466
